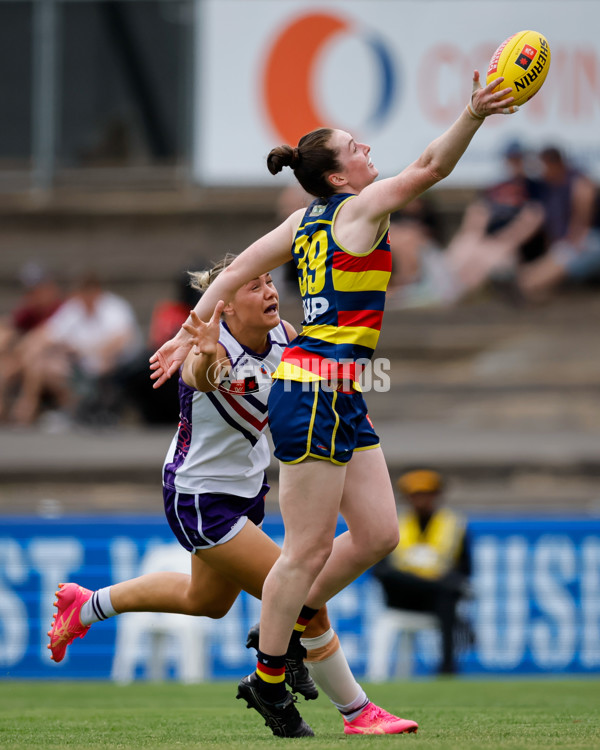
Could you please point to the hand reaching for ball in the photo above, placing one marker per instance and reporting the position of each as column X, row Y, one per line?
column 492, row 99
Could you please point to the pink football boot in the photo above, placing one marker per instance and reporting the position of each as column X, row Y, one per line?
column 67, row 626
column 374, row 720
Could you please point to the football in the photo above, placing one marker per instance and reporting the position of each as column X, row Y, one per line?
column 523, row 61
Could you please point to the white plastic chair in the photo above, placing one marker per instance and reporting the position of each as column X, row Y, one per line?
column 395, row 626
column 156, row 640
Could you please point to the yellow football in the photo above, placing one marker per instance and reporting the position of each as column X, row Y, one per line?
column 523, row 61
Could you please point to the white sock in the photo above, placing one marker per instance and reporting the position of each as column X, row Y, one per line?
column 98, row 607
column 329, row 668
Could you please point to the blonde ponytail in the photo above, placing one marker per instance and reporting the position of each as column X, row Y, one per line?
column 201, row 280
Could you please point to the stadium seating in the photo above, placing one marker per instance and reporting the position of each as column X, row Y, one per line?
column 159, row 643
column 392, row 641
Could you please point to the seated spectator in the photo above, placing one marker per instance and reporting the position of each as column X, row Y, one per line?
column 569, row 199
column 430, row 568
column 421, row 273
column 479, row 256
column 160, row 406
column 499, row 231
column 506, row 199
column 41, row 297
column 74, row 356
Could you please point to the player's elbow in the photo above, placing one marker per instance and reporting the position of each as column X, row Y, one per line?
column 437, row 170
column 431, row 171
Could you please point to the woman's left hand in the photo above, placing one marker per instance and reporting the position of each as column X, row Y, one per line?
column 205, row 336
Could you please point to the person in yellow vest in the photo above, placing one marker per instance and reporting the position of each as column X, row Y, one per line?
column 430, row 568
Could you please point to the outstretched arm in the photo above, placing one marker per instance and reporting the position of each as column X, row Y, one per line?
column 262, row 256
column 439, row 158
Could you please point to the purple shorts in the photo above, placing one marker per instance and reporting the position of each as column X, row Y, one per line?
column 203, row 521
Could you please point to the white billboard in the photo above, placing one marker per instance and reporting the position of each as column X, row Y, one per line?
column 395, row 73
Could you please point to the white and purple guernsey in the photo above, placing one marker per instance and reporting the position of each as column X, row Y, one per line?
column 220, row 445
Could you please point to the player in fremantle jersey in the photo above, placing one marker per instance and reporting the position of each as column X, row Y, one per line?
column 330, row 458
column 214, row 488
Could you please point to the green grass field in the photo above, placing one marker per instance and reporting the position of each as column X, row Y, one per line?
column 452, row 714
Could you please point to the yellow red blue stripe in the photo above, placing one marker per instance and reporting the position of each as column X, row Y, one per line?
column 343, row 295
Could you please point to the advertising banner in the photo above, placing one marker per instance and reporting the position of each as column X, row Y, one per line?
column 395, row 74
column 535, row 608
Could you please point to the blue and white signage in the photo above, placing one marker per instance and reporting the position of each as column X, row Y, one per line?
column 536, row 608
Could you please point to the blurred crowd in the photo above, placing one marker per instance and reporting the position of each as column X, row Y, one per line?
column 527, row 236
column 79, row 354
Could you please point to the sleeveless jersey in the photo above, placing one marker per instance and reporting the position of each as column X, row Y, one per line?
column 220, row 445
column 343, row 296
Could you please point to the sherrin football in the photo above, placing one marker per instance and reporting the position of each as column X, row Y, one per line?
column 523, row 61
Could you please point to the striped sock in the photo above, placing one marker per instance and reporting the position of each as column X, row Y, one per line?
column 98, row 607
column 305, row 616
column 328, row 667
column 270, row 671
column 354, row 709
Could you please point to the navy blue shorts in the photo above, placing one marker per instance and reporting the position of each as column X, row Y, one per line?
column 203, row 521
column 309, row 421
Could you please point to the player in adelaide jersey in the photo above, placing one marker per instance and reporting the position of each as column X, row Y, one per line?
column 330, row 458
column 214, row 488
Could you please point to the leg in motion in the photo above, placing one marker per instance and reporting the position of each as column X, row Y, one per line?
column 309, row 500
column 217, row 576
column 328, row 665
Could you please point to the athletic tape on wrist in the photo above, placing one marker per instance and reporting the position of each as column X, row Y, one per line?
column 474, row 114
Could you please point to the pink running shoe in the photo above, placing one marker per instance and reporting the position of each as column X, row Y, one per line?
column 67, row 626
column 374, row 720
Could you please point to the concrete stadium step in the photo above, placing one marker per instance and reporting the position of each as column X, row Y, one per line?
column 491, row 467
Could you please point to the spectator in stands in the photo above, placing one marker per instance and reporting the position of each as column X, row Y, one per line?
column 506, row 199
column 74, row 356
column 429, row 569
column 500, row 230
column 160, row 406
column 569, row 199
column 40, row 298
column 422, row 274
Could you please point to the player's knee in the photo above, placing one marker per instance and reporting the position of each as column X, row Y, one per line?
column 313, row 564
column 215, row 610
column 311, row 558
column 318, row 556
column 384, row 543
column 216, row 613
column 390, row 540
column 388, row 545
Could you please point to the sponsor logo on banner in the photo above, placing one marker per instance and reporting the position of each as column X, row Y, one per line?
column 296, row 60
